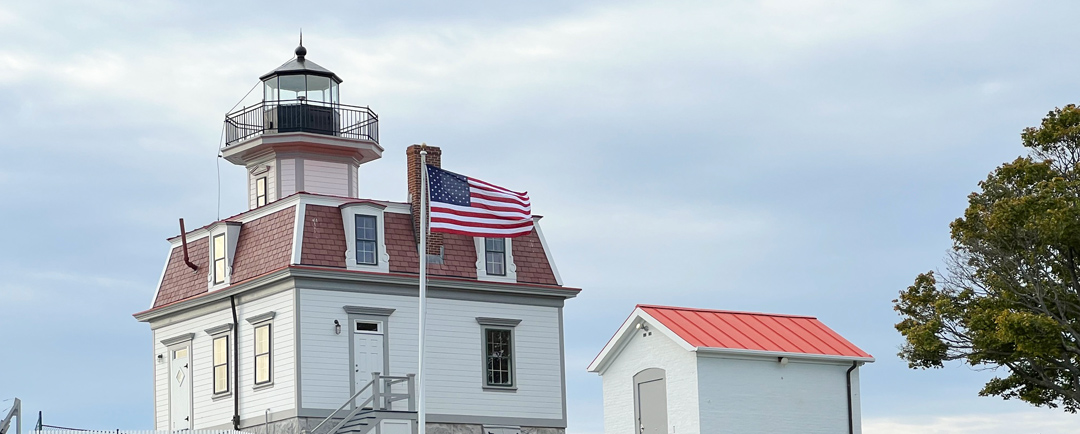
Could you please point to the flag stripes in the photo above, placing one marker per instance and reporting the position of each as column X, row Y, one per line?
column 468, row 206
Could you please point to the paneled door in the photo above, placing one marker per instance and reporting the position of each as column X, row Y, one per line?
column 179, row 388
column 650, row 390
column 368, row 351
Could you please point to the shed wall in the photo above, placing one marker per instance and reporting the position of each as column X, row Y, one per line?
column 740, row 395
column 640, row 353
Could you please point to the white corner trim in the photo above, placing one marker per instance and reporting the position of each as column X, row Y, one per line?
column 161, row 279
column 298, row 232
column 625, row 333
column 481, row 262
column 349, row 211
column 547, row 251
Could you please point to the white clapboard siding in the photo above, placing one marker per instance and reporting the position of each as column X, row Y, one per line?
column 326, row 178
column 271, row 183
column 680, row 366
column 281, row 396
column 161, row 384
column 455, row 378
column 208, row 412
column 288, row 176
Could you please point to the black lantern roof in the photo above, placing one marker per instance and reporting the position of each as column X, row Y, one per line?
column 301, row 66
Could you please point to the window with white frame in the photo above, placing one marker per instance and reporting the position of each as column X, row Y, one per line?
column 262, row 354
column 260, row 191
column 219, row 259
column 367, row 234
column 221, row 364
column 495, row 256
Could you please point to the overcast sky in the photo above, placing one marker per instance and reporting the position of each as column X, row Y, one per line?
column 799, row 157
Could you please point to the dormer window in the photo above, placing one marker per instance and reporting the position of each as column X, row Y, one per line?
column 495, row 256
column 260, row 192
column 219, row 259
column 366, row 240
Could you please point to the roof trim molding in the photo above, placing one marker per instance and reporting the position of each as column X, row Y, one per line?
column 626, row 331
column 368, row 310
column 219, row 329
column 500, row 322
column 547, row 250
column 773, row 354
column 261, row 317
column 186, row 337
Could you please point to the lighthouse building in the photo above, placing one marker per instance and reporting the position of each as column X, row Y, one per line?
column 301, row 314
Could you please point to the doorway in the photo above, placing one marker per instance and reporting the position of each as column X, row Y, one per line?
column 369, row 352
column 180, row 387
column 650, row 401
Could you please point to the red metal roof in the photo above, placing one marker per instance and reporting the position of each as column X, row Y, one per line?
column 753, row 331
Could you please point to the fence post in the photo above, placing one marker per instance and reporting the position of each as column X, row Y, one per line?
column 412, row 392
column 376, row 391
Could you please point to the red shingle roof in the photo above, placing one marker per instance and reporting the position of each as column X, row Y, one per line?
column 265, row 245
column 532, row 263
column 753, row 331
column 459, row 251
column 180, row 281
column 324, row 237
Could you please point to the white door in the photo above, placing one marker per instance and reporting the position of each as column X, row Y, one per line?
column 367, row 356
column 179, row 388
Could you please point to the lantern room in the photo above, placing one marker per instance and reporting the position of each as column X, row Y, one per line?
column 301, row 80
column 300, row 137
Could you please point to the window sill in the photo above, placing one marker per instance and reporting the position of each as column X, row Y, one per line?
column 220, row 396
column 263, row 386
column 509, row 389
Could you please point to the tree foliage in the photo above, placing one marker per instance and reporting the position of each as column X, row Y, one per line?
column 1010, row 295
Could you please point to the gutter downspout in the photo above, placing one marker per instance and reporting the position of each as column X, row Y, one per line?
column 850, row 410
column 236, row 367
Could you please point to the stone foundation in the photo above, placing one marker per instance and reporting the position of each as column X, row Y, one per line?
column 454, row 428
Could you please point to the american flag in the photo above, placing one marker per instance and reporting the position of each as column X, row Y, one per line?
column 469, row 206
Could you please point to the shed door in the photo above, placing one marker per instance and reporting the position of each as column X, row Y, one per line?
column 650, row 390
column 179, row 388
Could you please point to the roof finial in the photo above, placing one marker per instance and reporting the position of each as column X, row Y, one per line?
column 301, row 51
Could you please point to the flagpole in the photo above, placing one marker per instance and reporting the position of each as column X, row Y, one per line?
column 421, row 407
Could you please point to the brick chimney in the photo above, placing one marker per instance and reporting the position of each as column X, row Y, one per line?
column 434, row 158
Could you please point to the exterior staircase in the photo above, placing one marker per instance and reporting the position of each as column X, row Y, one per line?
column 364, row 418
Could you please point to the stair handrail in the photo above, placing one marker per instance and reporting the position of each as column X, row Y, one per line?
column 16, row 411
column 347, row 417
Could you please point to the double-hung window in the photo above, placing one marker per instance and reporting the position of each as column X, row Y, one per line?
column 495, row 256
column 366, row 240
column 221, row 364
column 219, row 259
column 262, row 354
column 260, row 191
column 499, row 357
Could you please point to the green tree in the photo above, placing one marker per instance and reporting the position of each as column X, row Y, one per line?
column 1010, row 295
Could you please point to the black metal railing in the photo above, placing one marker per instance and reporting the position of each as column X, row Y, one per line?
column 270, row 117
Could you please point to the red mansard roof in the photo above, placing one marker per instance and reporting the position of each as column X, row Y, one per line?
column 265, row 244
column 753, row 331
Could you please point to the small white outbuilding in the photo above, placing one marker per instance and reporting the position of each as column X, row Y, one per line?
column 671, row 370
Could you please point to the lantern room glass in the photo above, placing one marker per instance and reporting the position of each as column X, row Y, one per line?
column 315, row 88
